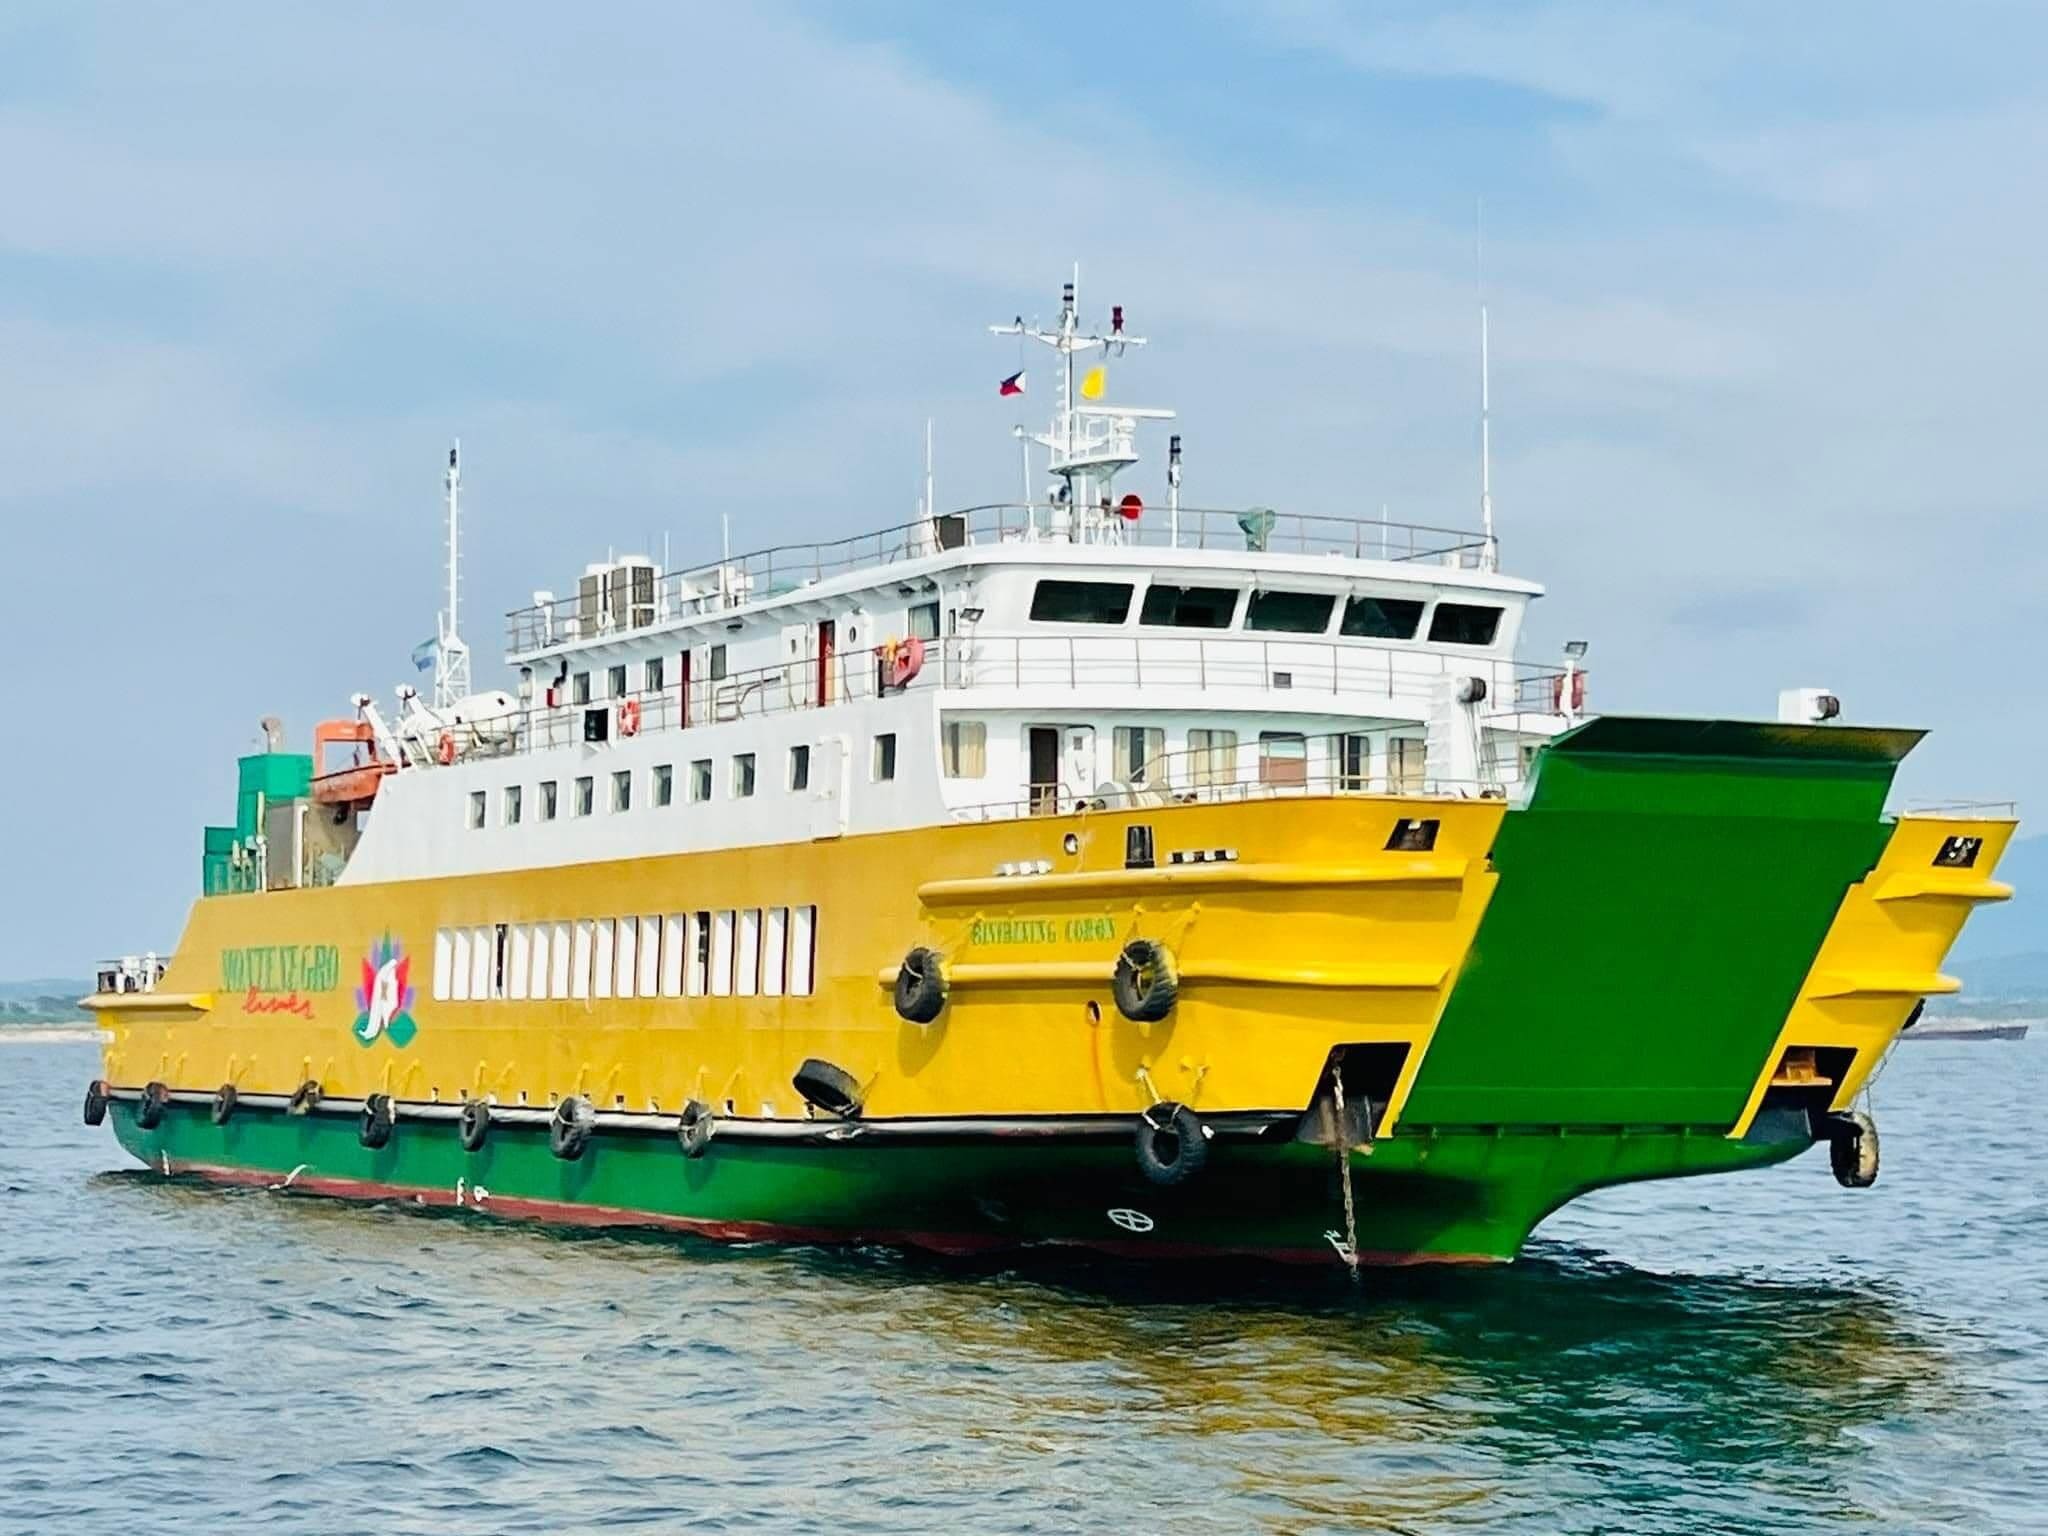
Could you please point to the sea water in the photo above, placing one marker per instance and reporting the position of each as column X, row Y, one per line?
column 1763, row 1351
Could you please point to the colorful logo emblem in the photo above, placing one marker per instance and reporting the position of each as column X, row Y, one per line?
column 384, row 1000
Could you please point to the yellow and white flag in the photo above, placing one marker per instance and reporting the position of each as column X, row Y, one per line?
column 1093, row 382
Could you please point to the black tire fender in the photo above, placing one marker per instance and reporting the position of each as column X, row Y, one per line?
column 380, row 1118
column 695, row 1127
column 830, row 1088
column 1146, row 984
column 1172, row 1143
column 224, row 1100
column 473, row 1124
column 97, row 1098
column 569, row 1130
column 921, row 985
column 149, row 1109
column 305, row 1098
column 1852, row 1150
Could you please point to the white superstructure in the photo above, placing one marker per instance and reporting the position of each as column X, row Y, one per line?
column 999, row 660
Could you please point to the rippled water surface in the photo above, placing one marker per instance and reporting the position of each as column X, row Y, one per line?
column 1758, row 1351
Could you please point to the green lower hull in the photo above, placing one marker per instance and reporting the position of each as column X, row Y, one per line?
column 1442, row 1198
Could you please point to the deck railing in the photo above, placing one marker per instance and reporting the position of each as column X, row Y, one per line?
column 760, row 574
column 1282, row 767
column 1129, row 668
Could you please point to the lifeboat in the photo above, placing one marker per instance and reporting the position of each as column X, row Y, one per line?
column 356, row 784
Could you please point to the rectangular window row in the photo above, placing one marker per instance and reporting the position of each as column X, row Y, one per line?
column 736, row 952
column 1058, row 601
column 742, row 781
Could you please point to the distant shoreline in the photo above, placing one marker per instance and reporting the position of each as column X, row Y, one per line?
column 47, row 1033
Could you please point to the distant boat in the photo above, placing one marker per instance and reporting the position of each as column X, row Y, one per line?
column 1968, row 1029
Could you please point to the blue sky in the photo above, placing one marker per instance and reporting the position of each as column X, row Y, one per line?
column 1765, row 286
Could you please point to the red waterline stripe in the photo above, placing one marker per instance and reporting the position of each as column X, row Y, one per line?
column 955, row 1244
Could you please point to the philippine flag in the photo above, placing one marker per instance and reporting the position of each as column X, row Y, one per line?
column 1013, row 385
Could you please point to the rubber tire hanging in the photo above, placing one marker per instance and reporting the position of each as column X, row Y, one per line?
column 149, row 1109
column 695, row 1127
column 569, row 1130
column 96, row 1100
column 1172, row 1144
column 473, row 1124
column 1146, row 985
column 224, row 1099
column 921, row 986
column 1852, row 1150
column 380, row 1119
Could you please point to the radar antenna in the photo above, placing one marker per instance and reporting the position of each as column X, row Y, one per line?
column 451, row 656
column 1087, row 445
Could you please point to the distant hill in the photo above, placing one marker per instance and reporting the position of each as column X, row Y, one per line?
column 49, row 1000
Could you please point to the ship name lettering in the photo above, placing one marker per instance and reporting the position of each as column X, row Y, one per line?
column 280, row 968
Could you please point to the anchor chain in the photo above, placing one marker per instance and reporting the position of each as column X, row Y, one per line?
column 1349, row 1250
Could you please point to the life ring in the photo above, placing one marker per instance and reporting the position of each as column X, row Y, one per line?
column 305, row 1098
column 96, row 1100
column 1578, row 693
column 569, row 1131
column 149, row 1109
column 223, row 1109
column 1146, row 985
column 902, row 660
column 444, row 749
column 1172, row 1143
column 695, row 1127
column 380, row 1118
column 629, row 717
column 920, row 986
column 1852, row 1150
column 473, row 1124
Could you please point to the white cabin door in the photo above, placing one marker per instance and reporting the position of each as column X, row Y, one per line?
column 829, row 763
column 1077, row 762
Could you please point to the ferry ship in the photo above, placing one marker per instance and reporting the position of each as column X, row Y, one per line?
column 1146, row 878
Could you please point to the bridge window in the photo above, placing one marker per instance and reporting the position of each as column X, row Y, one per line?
column 1464, row 624
column 1135, row 749
column 1189, row 607
column 1406, row 756
column 616, row 678
column 966, row 749
column 1381, row 618
column 654, row 674
column 924, row 620
column 579, row 688
column 1081, row 602
column 1212, row 757
column 1354, row 762
column 1290, row 613
column 1283, row 757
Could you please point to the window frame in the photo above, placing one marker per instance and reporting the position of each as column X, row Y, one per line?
column 1275, row 599
column 1363, row 602
column 882, row 758
column 1065, row 586
column 1147, row 618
